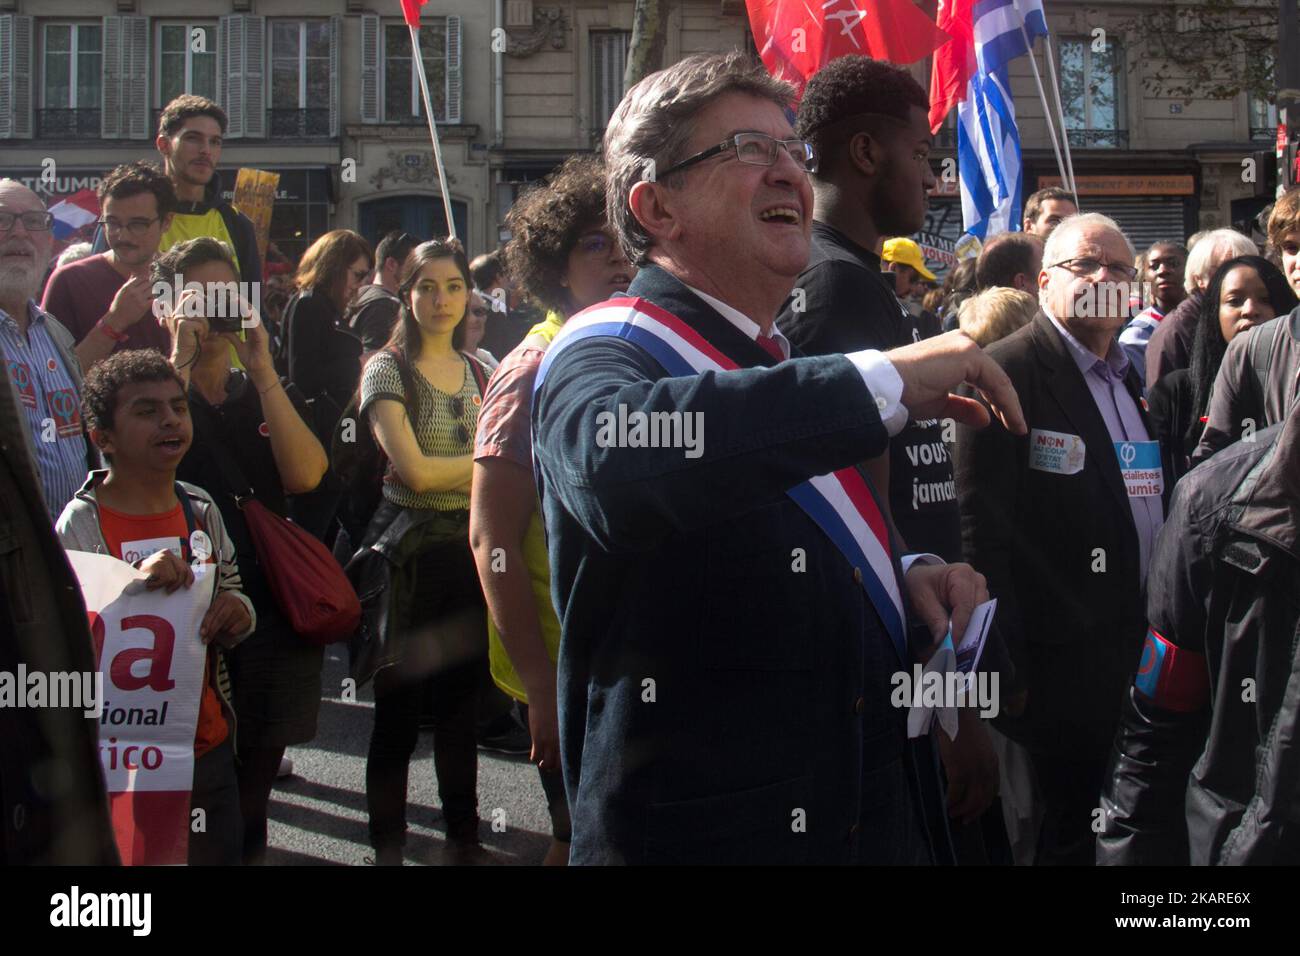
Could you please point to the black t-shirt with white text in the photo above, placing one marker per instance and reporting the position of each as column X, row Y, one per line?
column 844, row 303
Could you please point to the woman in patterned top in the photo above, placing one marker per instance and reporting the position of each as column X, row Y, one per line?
column 421, row 397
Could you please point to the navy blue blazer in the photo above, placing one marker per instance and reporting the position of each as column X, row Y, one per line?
column 724, row 681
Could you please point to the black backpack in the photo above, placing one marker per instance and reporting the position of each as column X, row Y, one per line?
column 1261, row 349
column 357, row 460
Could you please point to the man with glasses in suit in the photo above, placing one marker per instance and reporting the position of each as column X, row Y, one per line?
column 1062, row 522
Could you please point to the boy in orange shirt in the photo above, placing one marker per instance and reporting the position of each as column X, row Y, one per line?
column 138, row 416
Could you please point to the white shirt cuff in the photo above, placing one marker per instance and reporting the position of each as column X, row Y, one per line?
column 922, row 558
column 884, row 382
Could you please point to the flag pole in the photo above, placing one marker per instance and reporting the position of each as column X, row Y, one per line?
column 1042, row 95
column 1060, row 112
column 433, row 128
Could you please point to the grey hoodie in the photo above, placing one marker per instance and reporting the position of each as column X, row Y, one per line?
column 79, row 530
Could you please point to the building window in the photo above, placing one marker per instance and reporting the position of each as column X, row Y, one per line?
column 300, row 78
column 187, row 60
column 1263, row 114
column 1092, row 94
column 403, row 102
column 608, row 61
column 73, row 81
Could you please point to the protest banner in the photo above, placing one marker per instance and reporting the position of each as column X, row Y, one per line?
column 254, row 197
column 147, row 647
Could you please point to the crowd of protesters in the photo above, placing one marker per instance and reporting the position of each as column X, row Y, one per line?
column 403, row 404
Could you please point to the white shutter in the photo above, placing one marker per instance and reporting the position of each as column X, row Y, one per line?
column 609, row 50
column 135, row 78
column 15, row 76
column 254, row 73
column 336, row 39
column 369, row 68
column 223, row 67
column 232, row 80
column 111, row 100
column 453, row 84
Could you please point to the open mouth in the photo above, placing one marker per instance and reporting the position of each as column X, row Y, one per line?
column 171, row 444
column 785, row 215
column 622, row 280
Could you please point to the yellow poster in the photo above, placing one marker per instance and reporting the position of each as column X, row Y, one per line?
column 254, row 197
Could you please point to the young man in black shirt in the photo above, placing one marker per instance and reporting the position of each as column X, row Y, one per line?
column 869, row 123
column 372, row 313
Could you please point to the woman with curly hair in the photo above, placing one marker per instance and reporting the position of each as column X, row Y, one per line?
column 564, row 255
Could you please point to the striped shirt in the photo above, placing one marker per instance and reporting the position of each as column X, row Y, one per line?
column 50, row 401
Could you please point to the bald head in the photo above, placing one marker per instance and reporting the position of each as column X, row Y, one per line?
column 24, row 251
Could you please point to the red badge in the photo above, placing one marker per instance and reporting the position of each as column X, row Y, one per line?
column 52, row 365
column 264, row 430
column 477, row 400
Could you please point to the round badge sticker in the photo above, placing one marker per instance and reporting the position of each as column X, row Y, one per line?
column 477, row 400
column 52, row 365
column 264, row 430
column 200, row 545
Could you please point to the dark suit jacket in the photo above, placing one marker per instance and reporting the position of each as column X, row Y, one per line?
column 53, row 807
column 717, row 703
column 1074, row 630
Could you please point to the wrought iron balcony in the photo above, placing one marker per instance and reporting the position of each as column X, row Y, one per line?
column 1098, row 138
column 1264, row 134
column 68, row 124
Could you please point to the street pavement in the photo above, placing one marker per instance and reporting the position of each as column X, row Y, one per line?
column 318, row 815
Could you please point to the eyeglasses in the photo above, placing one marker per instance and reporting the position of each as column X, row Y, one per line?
column 33, row 221
column 1087, row 268
column 755, row 149
column 136, row 227
column 458, row 411
column 595, row 244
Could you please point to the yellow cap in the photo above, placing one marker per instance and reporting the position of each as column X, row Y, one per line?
column 908, row 253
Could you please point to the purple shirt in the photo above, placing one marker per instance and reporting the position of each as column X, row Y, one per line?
column 1105, row 381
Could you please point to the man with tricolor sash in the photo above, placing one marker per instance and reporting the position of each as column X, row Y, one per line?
column 731, row 617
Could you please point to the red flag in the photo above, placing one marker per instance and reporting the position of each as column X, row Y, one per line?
column 796, row 38
column 411, row 10
column 954, row 62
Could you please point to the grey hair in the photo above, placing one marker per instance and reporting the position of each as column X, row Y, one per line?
column 1055, row 247
column 1211, row 250
column 655, row 121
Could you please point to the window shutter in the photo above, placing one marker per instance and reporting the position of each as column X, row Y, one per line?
column 369, row 68
column 453, row 84
column 254, row 71
column 610, row 52
column 111, row 101
column 223, row 45
column 336, row 38
column 135, row 78
column 15, row 76
column 232, row 79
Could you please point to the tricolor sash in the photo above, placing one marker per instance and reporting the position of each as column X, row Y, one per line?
column 840, row 503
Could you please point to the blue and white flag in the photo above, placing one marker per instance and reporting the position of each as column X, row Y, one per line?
column 988, row 143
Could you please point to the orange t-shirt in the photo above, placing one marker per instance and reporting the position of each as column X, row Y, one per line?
column 134, row 538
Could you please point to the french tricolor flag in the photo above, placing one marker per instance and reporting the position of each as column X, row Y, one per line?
column 74, row 213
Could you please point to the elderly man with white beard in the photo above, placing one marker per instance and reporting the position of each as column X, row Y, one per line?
column 38, row 350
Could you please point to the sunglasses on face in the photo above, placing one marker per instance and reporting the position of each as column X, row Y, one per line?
column 595, row 244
